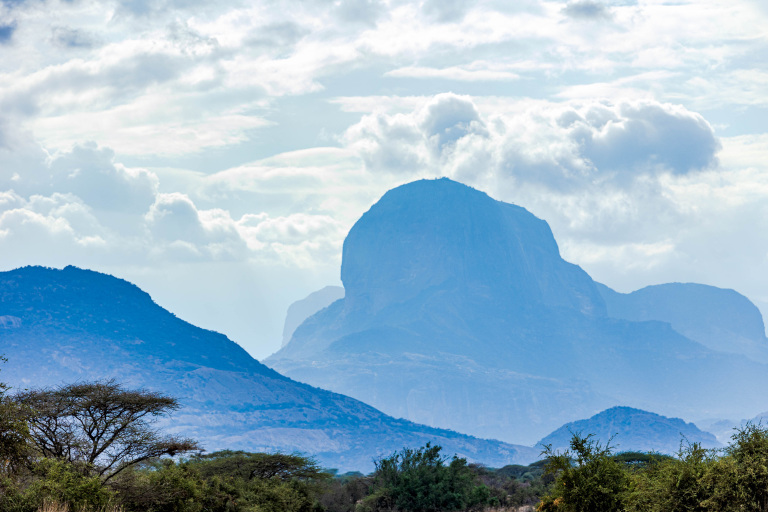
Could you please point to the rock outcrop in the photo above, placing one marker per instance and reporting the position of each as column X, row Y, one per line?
column 460, row 313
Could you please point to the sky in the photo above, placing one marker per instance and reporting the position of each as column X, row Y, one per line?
column 217, row 153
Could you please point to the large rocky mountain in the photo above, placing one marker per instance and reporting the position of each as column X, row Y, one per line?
column 459, row 312
column 59, row 326
column 628, row 429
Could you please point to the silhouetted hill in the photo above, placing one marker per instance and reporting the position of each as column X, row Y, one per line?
column 68, row 325
column 632, row 430
column 459, row 312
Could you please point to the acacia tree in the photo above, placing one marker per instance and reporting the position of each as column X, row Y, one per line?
column 100, row 427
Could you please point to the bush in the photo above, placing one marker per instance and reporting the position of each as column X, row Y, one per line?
column 588, row 478
column 54, row 481
column 420, row 480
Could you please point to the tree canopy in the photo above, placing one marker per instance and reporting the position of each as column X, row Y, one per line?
column 100, row 427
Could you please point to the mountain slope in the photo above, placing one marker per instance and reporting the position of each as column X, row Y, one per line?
column 68, row 325
column 460, row 312
column 630, row 429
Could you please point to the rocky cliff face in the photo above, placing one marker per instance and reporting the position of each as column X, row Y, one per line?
column 460, row 312
column 439, row 235
column 72, row 325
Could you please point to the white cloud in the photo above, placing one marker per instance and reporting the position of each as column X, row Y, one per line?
column 475, row 72
column 559, row 145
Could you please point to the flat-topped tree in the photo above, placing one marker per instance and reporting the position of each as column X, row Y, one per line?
column 101, row 427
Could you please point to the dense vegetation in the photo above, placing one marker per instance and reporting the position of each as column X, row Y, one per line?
column 94, row 447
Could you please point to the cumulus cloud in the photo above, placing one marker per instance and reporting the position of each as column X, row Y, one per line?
column 183, row 230
column 300, row 239
column 90, row 173
column 557, row 145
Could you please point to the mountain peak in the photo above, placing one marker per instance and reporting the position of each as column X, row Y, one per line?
column 632, row 429
column 440, row 235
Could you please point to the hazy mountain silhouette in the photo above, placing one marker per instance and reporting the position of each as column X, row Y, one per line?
column 69, row 325
column 308, row 306
column 630, row 429
column 722, row 320
column 459, row 312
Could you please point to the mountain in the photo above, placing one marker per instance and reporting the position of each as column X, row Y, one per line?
column 723, row 320
column 59, row 326
column 630, row 429
column 459, row 312
column 724, row 429
column 308, row 306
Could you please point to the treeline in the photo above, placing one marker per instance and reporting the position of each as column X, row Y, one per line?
column 590, row 478
column 95, row 447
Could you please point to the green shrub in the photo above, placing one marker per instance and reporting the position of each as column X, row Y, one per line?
column 420, row 480
column 589, row 479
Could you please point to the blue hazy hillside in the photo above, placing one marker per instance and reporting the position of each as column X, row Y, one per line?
column 723, row 320
column 630, row 429
column 69, row 325
column 460, row 312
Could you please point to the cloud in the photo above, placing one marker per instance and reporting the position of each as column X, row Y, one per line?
column 91, row 173
column 643, row 134
column 68, row 37
column 446, row 10
column 366, row 12
column 586, row 9
column 299, row 239
column 6, row 33
column 29, row 231
column 476, row 72
column 570, row 145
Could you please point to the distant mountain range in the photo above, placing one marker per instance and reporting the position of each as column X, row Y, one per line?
column 59, row 326
column 628, row 429
column 459, row 312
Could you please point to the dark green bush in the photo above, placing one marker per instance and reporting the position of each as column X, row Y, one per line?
column 420, row 480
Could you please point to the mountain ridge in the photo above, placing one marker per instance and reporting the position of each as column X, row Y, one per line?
column 82, row 325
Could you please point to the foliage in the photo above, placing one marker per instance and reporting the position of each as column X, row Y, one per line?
column 515, row 485
column 14, row 433
column 52, row 480
column 261, row 466
column 588, row 478
column 673, row 483
column 223, row 481
column 165, row 486
column 100, row 427
column 739, row 481
column 342, row 493
column 420, row 480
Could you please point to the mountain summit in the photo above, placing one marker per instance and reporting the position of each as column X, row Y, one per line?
column 460, row 312
column 440, row 236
